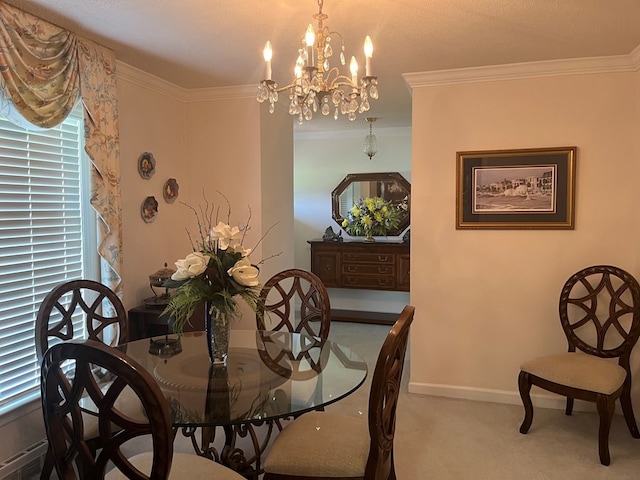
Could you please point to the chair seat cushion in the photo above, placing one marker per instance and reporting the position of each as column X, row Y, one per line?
column 578, row 370
column 183, row 466
column 326, row 445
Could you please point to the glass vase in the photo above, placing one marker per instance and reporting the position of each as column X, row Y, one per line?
column 217, row 326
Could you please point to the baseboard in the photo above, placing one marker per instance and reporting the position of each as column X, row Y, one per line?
column 540, row 400
column 25, row 465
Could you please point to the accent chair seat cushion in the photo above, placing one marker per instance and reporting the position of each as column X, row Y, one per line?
column 326, row 445
column 183, row 466
column 578, row 370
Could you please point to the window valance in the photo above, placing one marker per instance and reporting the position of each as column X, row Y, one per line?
column 43, row 70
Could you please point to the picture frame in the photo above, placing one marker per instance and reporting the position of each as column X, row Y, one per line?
column 516, row 189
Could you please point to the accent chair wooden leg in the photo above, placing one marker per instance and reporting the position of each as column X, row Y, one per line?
column 569, row 409
column 627, row 409
column 606, row 406
column 524, row 385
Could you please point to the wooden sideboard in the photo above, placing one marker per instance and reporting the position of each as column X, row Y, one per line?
column 368, row 266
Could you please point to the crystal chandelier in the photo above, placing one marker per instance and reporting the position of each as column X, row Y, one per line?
column 370, row 147
column 317, row 85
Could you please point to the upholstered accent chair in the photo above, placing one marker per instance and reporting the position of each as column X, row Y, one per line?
column 74, row 372
column 324, row 445
column 297, row 301
column 600, row 316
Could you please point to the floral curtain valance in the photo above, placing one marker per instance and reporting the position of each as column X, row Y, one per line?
column 44, row 69
column 39, row 65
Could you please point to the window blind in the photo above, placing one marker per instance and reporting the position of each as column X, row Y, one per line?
column 41, row 240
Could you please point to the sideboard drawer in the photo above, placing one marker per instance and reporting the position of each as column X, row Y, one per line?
column 376, row 283
column 368, row 269
column 360, row 257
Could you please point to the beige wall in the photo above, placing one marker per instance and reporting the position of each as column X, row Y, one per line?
column 213, row 142
column 485, row 299
column 151, row 120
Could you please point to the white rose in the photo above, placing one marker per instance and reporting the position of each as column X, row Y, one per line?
column 192, row 266
column 244, row 273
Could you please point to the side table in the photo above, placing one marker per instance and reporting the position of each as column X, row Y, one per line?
column 147, row 321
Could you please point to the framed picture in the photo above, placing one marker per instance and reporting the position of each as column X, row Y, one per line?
column 516, row 189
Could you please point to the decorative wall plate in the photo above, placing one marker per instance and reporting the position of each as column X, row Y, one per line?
column 149, row 209
column 146, row 165
column 170, row 190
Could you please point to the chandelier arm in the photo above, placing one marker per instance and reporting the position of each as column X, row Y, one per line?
column 335, row 71
column 343, row 81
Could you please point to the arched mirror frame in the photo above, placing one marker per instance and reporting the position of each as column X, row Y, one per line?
column 392, row 177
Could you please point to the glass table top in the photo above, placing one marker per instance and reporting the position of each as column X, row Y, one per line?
column 268, row 375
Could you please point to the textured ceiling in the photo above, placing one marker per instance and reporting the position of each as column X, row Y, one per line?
column 214, row 43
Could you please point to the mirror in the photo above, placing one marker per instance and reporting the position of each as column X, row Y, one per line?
column 390, row 186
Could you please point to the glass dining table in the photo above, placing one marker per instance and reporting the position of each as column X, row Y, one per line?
column 268, row 377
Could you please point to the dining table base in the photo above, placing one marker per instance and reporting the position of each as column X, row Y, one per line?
column 247, row 463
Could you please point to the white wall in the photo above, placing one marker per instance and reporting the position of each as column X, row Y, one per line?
column 486, row 300
column 321, row 162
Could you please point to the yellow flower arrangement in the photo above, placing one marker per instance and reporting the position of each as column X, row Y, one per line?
column 371, row 216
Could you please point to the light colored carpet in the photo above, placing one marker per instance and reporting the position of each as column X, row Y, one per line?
column 450, row 439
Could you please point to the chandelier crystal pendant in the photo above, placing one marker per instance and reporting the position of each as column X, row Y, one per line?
column 316, row 84
column 370, row 146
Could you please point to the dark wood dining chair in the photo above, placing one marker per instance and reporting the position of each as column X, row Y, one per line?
column 80, row 303
column 297, row 301
column 65, row 311
column 73, row 372
column 600, row 316
column 324, row 445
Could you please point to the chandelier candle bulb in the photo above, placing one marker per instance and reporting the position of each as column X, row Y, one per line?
column 354, row 70
column 368, row 53
column 310, row 39
column 268, row 55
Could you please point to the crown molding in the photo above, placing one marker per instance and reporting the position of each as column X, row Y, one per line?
column 128, row 73
column 548, row 68
column 133, row 75
column 221, row 93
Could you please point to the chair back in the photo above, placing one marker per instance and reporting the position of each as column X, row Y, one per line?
column 383, row 399
column 70, row 373
column 600, row 312
column 280, row 296
column 92, row 303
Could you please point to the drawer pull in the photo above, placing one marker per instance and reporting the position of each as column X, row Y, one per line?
column 384, row 270
column 383, row 258
column 383, row 282
column 352, row 268
column 352, row 257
